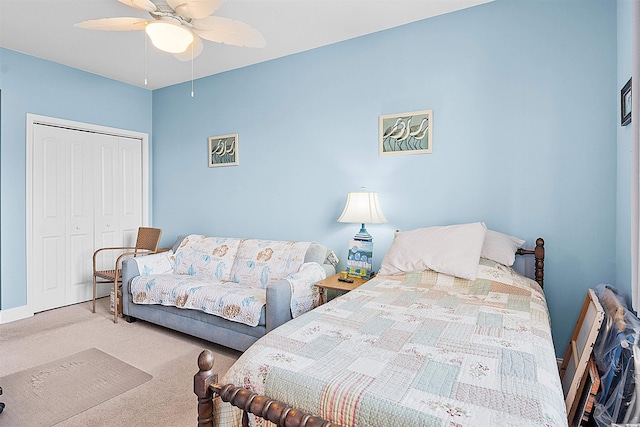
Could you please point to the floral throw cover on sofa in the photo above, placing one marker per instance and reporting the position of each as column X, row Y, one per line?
column 227, row 277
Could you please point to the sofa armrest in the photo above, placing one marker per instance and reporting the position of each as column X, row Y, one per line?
column 278, row 308
column 129, row 271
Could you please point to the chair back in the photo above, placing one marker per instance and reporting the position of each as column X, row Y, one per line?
column 148, row 238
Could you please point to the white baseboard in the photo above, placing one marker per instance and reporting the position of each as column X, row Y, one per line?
column 13, row 314
column 559, row 361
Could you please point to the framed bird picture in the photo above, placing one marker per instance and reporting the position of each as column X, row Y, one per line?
column 223, row 150
column 406, row 133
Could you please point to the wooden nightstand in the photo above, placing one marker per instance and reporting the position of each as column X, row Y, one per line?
column 332, row 282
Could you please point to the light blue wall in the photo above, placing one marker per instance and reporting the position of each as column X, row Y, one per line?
column 524, row 97
column 32, row 85
column 524, row 94
column 623, row 212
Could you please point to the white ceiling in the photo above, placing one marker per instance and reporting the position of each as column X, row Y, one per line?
column 44, row 28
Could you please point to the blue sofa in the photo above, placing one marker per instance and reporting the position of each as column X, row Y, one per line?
column 211, row 327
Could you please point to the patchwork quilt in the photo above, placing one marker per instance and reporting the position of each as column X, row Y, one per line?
column 421, row 349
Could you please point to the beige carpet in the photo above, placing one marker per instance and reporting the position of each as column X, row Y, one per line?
column 53, row 392
column 169, row 357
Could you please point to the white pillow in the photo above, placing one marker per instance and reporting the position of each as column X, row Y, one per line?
column 155, row 263
column 500, row 247
column 452, row 249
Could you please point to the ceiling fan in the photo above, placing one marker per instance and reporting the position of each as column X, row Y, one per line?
column 178, row 26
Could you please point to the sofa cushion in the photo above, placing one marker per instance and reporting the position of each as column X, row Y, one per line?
column 206, row 257
column 242, row 304
column 260, row 262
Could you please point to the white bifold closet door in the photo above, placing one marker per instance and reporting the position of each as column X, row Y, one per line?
column 87, row 194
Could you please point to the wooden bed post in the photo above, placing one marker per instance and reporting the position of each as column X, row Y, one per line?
column 538, row 253
column 201, row 382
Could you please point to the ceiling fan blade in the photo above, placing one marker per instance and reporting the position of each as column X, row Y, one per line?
column 195, row 9
column 140, row 4
column 113, row 24
column 228, row 31
column 187, row 55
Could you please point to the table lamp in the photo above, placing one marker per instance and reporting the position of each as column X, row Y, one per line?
column 362, row 208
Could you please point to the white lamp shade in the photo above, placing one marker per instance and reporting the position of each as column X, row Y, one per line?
column 169, row 36
column 362, row 208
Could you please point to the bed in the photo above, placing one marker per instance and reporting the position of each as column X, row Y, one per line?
column 418, row 345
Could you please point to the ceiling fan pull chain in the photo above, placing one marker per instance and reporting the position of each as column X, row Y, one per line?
column 145, row 58
column 192, row 69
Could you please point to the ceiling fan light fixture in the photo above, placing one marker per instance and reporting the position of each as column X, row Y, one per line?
column 169, row 36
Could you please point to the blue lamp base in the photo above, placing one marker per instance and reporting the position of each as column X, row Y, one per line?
column 360, row 255
column 363, row 235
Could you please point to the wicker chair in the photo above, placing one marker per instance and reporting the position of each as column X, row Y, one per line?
column 146, row 243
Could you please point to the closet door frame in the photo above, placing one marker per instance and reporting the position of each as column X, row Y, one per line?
column 32, row 120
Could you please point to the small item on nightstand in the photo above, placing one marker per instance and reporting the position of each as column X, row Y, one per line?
column 343, row 274
column 347, row 280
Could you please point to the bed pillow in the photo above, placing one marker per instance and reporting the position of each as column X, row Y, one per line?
column 452, row 249
column 500, row 247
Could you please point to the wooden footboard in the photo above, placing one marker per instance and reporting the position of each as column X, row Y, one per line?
column 206, row 388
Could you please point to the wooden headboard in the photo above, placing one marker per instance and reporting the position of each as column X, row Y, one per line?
column 538, row 253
